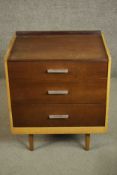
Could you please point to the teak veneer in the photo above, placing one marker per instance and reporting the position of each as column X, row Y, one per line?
column 58, row 83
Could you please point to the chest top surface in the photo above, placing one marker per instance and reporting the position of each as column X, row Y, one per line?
column 87, row 45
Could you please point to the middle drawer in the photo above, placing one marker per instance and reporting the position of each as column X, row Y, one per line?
column 89, row 91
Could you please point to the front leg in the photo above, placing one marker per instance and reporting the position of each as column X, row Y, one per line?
column 87, row 141
column 31, row 146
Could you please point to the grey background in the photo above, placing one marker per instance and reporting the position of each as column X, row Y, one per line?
column 58, row 154
column 58, row 15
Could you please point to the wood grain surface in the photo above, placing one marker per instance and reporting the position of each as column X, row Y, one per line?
column 78, row 92
column 58, row 46
column 37, row 115
column 37, row 71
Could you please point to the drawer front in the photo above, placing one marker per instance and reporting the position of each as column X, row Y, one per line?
column 60, row 71
column 58, row 115
column 89, row 91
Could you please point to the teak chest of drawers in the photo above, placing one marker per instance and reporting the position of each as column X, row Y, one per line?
column 58, row 83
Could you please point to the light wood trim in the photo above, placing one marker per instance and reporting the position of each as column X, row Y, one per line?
column 7, row 78
column 57, row 130
column 108, row 79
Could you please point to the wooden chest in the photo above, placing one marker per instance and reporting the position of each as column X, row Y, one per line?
column 58, row 83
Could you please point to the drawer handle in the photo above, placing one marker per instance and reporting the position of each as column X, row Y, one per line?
column 58, row 116
column 57, row 71
column 57, row 92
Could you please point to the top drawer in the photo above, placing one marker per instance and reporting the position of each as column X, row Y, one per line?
column 60, row 71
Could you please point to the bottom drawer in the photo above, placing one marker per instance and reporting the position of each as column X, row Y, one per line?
column 58, row 115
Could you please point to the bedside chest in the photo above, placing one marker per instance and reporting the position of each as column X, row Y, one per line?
column 58, row 83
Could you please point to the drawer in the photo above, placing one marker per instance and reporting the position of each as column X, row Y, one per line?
column 60, row 71
column 56, row 115
column 89, row 91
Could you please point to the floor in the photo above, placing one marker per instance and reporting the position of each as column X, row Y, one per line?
column 58, row 154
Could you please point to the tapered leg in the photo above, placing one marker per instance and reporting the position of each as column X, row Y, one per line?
column 87, row 141
column 31, row 147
